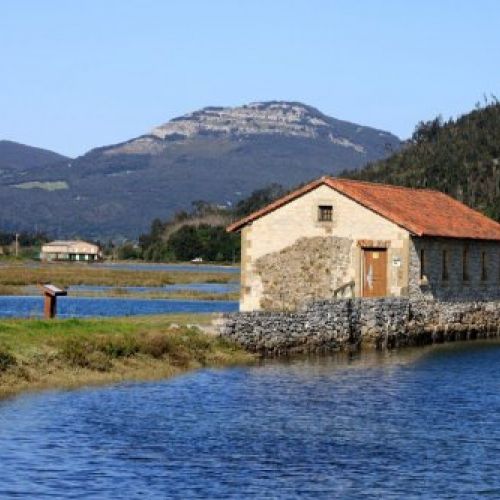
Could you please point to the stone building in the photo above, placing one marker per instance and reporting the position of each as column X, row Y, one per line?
column 342, row 238
column 71, row 251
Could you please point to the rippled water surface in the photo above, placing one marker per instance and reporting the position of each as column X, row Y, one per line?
column 131, row 266
column 195, row 268
column 81, row 307
column 421, row 424
column 195, row 287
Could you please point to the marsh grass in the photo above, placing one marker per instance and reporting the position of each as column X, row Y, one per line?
column 37, row 354
column 119, row 292
column 178, row 294
column 10, row 289
column 14, row 273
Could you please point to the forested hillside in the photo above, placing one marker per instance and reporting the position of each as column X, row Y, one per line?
column 460, row 157
column 198, row 233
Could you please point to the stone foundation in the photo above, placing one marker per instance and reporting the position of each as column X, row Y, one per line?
column 350, row 324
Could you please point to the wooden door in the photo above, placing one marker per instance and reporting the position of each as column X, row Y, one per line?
column 375, row 272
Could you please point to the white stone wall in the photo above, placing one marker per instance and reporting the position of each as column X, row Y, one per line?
column 281, row 228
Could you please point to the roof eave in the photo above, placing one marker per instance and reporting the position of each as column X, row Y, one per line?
column 450, row 237
column 271, row 207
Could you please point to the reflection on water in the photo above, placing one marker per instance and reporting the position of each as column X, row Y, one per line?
column 420, row 423
column 80, row 307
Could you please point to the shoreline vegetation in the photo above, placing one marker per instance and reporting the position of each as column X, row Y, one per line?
column 21, row 278
column 69, row 353
column 16, row 273
column 38, row 354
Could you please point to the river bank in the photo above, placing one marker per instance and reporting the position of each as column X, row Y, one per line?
column 144, row 281
column 22, row 273
column 37, row 354
column 412, row 423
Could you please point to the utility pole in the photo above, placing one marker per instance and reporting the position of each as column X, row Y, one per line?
column 17, row 244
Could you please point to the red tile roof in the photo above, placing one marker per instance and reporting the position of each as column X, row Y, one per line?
column 423, row 212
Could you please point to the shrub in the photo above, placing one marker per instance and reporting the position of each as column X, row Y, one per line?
column 156, row 344
column 83, row 353
column 7, row 360
column 98, row 361
column 76, row 352
column 117, row 347
column 180, row 357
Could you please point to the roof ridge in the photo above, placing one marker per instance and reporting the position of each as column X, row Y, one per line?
column 381, row 184
column 420, row 211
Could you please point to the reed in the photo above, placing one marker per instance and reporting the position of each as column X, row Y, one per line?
column 14, row 273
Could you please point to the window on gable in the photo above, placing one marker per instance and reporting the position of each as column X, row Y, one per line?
column 325, row 213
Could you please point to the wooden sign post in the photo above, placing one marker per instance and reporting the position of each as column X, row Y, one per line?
column 51, row 293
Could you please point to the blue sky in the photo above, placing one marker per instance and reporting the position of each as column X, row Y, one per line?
column 76, row 75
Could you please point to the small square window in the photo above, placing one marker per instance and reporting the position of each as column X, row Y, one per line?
column 325, row 213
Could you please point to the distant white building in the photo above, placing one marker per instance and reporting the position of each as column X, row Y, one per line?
column 70, row 251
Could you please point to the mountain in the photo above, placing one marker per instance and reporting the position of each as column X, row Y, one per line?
column 15, row 156
column 460, row 157
column 216, row 154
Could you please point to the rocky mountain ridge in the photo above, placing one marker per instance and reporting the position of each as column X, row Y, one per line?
column 219, row 155
column 281, row 118
column 293, row 119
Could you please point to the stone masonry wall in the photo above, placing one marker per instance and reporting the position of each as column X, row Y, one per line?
column 310, row 269
column 349, row 324
column 282, row 228
column 454, row 288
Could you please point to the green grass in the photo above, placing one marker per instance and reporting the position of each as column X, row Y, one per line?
column 38, row 354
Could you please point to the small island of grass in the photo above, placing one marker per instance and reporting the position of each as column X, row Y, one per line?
column 39, row 354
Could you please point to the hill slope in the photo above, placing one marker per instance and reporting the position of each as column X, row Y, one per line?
column 460, row 157
column 15, row 156
column 216, row 154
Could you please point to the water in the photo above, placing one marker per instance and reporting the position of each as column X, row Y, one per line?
column 131, row 266
column 194, row 268
column 421, row 424
column 80, row 307
column 195, row 287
